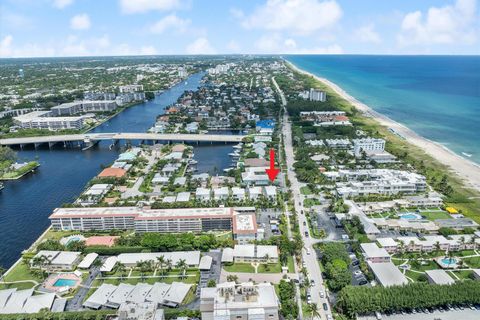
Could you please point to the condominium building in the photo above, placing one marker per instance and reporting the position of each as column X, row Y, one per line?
column 71, row 108
column 377, row 181
column 130, row 88
column 314, row 95
column 44, row 120
column 246, row 301
column 368, row 145
column 154, row 220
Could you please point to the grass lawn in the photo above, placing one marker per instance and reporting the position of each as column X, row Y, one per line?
column 434, row 215
column 305, row 190
column 270, row 268
column 462, row 274
column 291, row 265
column 472, row 262
column 311, row 202
column 20, row 272
column 240, row 267
column 19, row 286
column 415, row 276
column 430, row 265
column 133, row 281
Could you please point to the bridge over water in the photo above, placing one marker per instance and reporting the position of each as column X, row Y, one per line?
column 89, row 139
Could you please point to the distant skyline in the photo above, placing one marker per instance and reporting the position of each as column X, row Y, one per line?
column 44, row 28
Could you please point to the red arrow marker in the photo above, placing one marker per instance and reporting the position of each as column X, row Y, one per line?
column 272, row 172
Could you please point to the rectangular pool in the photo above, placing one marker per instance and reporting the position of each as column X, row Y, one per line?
column 65, row 283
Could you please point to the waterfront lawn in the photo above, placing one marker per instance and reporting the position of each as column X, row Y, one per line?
column 18, row 286
column 15, row 174
column 240, row 267
column 21, row 272
column 270, row 268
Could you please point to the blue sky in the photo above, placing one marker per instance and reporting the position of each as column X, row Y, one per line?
column 127, row 27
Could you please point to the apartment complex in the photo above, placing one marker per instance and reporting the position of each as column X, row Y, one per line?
column 156, row 220
column 44, row 120
column 377, row 181
column 368, row 145
column 314, row 95
column 246, row 301
column 72, row 108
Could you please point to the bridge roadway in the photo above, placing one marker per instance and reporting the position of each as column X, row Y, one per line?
column 94, row 137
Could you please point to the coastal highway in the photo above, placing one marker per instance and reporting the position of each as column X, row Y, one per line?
column 311, row 261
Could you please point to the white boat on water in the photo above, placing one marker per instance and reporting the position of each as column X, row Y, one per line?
column 467, row 154
column 1, row 186
column 238, row 146
column 228, row 169
column 235, row 154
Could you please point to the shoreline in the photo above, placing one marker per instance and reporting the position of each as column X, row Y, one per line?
column 465, row 169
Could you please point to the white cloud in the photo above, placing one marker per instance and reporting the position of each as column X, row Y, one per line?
column 148, row 50
column 141, row 6
column 450, row 24
column 80, row 22
column 200, row 46
column 170, row 22
column 276, row 44
column 297, row 16
column 367, row 34
column 60, row 4
column 233, row 46
column 6, row 46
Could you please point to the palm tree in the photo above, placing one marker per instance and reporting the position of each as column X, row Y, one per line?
column 182, row 265
column 437, row 247
column 160, row 263
column 462, row 242
column 312, row 309
column 232, row 278
column 121, row 269
column 169, row 265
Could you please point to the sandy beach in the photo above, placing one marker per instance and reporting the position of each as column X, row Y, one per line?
column 465, row 169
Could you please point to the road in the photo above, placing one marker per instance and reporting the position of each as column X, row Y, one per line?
column 310, row 260
column 93, row 137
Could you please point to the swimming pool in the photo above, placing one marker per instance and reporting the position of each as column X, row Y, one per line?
column 65, row 283
column 448, row 261
column 410, row 216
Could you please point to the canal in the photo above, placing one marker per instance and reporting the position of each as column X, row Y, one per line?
column 26, row 204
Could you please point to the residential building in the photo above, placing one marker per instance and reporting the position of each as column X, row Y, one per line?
column 439, row 276
column 246, row 301
column 373, row 253
column 247, row 253
column 56, row 260
column 368, row 145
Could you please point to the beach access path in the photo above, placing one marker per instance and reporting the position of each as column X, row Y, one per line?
column 467, row 170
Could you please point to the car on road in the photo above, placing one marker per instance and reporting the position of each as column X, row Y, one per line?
column 325, row 306
column 304, row 223
column 322, row 294
column 308, row 251
column 306, row 234
column 312, row 282
column 358, row 273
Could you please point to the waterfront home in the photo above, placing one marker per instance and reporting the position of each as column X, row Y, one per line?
column 265, row 127
column 55, row 260
column 94, row 194
column 159, row 179
column 255, row 176
column 180, row 181
column 112, row 173
column 203, row 194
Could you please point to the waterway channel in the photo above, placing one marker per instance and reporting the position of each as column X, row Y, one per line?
column 26, row 204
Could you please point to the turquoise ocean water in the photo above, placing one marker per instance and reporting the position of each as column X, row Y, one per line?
column 436, row 96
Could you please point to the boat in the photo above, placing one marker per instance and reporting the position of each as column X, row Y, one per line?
column 1, row 186
column 228, row 169
column 193, row 162
column 467, row 154
column 234, row 154
column 238, row 146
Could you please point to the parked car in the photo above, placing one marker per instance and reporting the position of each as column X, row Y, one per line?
column 325, row 306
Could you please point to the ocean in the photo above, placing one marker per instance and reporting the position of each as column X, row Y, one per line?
column 438, row 97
